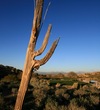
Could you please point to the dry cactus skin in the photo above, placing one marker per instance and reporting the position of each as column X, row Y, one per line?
column 31, row 63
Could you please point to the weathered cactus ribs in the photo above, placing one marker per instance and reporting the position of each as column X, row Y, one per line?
column 31, row 64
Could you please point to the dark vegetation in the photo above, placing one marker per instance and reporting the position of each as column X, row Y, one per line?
column 47, row 92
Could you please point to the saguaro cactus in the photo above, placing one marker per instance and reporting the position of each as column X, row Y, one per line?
column 31, row 63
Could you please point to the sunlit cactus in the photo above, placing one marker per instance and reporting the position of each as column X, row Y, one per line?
column 31, row 63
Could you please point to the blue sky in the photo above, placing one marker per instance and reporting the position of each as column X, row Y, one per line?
column 76, row 22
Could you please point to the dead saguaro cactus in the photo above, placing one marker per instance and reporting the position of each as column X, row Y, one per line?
column 31, row 63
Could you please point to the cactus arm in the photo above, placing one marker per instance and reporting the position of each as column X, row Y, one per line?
column 36, row 22
column 49, row 54
column 45, row 42
column 38, row 13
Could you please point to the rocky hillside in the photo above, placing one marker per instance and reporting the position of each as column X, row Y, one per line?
column 5, row 70
column 48, row 92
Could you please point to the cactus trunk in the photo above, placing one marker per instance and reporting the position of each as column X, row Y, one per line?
column 30, row 62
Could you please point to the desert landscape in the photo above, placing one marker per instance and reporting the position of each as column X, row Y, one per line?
column 54, row 91
column 77, row 37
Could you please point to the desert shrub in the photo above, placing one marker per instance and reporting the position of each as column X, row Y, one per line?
column 62, row 96
column 60, row 92
column 66, row 96
column 14, row 91
column 1, row 101
column 84, row 101
column 94, row 90
column 19, row 75
column 6, row 70
column 63, row 108
column 87, row 102
column 4, row 88
column 1, row 85
column 95, row 99
column 39, row 93
column 39, row 97
column 85, row 87
column 39, row 83
column 74, row 106
column 51, row 104
column 91, row 89
column 79, row 92
column 9, row 78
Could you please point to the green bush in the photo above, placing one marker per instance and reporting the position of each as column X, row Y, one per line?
column 62, row 82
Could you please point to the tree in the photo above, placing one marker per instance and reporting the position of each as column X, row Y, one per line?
column 31, row 63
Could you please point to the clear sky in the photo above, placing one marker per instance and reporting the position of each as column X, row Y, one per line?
column 76, row 22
